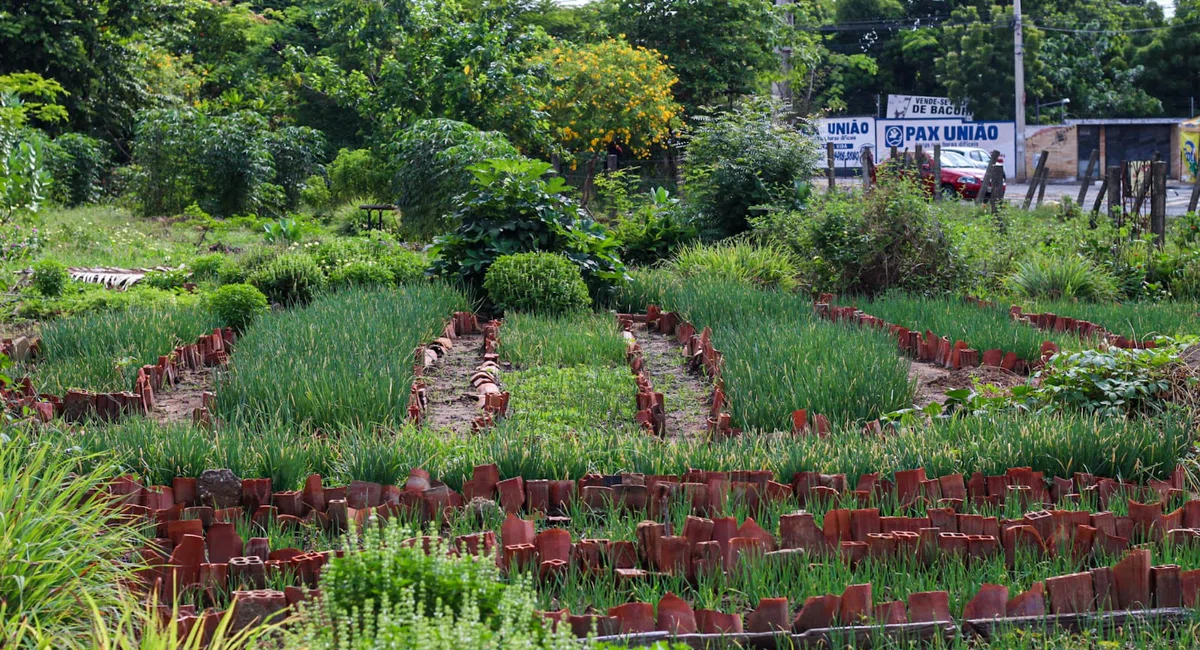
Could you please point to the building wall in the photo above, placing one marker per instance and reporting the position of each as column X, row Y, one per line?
column 1063, row 145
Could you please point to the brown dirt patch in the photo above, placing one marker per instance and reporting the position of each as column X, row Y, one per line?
column 177, row 404
column 453, row 402
column 685, row 395
column 933, row 381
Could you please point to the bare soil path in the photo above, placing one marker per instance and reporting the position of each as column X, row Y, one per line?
column 685, row 395
column 178, row 403
column 453, row 402
column 933, row 380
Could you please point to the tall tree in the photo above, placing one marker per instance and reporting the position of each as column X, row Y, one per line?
column 1171, row 60
column 720, row 49
column 977, row 66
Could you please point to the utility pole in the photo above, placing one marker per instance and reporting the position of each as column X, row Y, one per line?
column 1019, row 83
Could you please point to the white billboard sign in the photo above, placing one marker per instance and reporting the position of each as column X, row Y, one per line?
column 850, row 136
column 918, row 106
column 907, row 134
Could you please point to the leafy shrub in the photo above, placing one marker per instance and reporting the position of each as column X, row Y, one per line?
column 649, row 225
column 282, row 231
column 1113, row 382
column 405, row 266
column 237, row 305
column 50, row 277
column 77, row 165
column 393, row 594
column 429, row 164
column 229, row 164
column 207, row 267
column 536, row 282
column 361, row 273
column 316, row 193
column 239, row 269
column 354, row 173
column 292, row 278
column 172, row 279
column 886, row 239
column 743, row 158
column 765, row 266
column 512, row 209
column 1068, row 276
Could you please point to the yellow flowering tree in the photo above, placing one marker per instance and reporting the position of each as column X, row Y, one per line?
column 610, row 92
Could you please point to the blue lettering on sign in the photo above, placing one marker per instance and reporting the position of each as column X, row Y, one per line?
column 993, row 132
column 851, row 128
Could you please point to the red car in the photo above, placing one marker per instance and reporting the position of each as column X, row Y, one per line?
column 959, row 177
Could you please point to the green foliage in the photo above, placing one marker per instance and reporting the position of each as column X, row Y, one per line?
column 316, row 193
column 25, row 178
column 728, row 51
column 396, row 64
column 207, row 267
column 649, row 225
column 1112, row 382
column 290, row 279
column 405, row 265
column 336, row 362
column 50, row 277
column 59, row 545
column 778, row 357
column 534, row 340
column 172, row 279
column 102, row 351
column 392, row 593
column 760, row 266
column 361, row 273
column 741, row 159
column 78, row 164
column 512, row 208
column 385, row 568
column 229, row 164
column 283, row 231
column 355, row 173
column 237, row 305
column 546, row 283
column 888, row 238
column 977, row 66
column 429, row 163
column 982, row 328
column 1057, row 278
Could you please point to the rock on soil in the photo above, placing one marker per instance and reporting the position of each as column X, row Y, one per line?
column 219, row 488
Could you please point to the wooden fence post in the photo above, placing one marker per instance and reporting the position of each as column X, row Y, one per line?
column 868, row 167
column 1037, row 177
column 937, row 172
column 1158, row 201
column 830, row 171
column 1195, row 194
column 1114, row 193
column 988, row 180
column 1098, row 203
column 1087, row 177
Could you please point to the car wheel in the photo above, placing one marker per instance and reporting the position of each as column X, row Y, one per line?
column 949, row 193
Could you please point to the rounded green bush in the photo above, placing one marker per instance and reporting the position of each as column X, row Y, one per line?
column 546, row 283
column 360, row 273
column 50, row 277
column 406, row 266
column 292, row 278
column 237, row 305
column 207, row 267
column 173, row 279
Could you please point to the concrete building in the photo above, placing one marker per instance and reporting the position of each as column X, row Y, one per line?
column 1117, row 139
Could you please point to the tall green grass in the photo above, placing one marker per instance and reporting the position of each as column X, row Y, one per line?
column 983, row 328
column 1134, row 320
column 58, row 547
column 102, row 352
column 566, row 437
column 583, row 338
column 346, row 359
column 778, row 357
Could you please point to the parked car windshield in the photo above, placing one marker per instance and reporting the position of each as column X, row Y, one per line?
column 951, row 159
